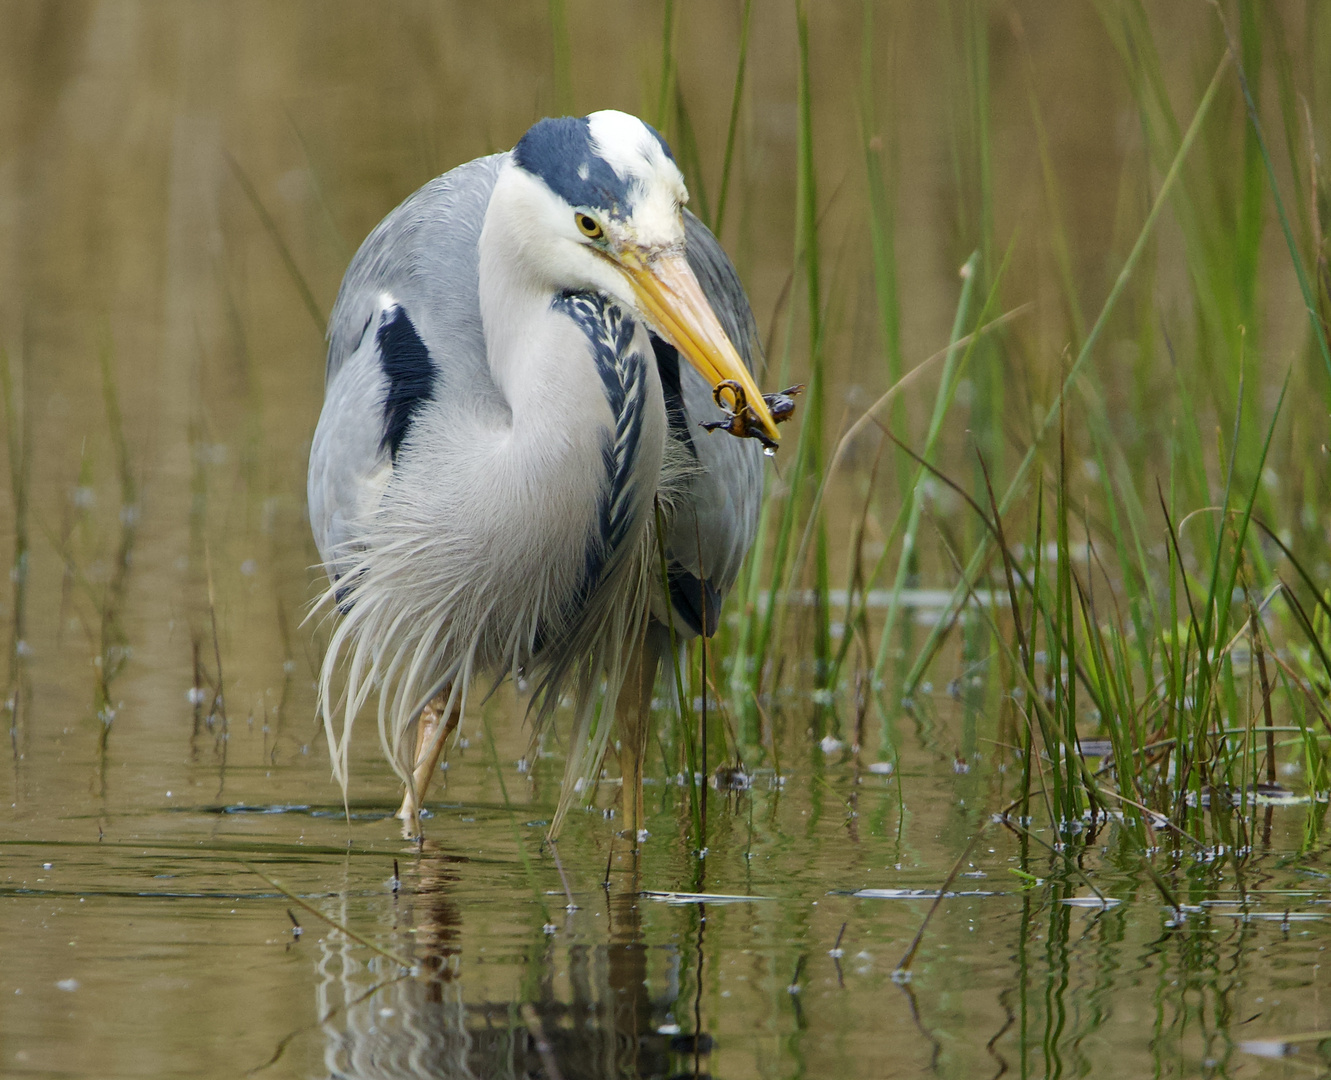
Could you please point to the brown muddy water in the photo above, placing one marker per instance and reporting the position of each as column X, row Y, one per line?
column 181, row 893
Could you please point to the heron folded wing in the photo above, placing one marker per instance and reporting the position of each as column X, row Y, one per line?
column 714, row 524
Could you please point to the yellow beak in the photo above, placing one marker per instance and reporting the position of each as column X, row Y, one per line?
column 669, row 295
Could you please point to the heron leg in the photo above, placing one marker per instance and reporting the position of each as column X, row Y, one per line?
column 429, row 747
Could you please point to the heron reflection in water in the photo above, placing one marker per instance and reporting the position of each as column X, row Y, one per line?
column 618, row 1015
column 510, row 475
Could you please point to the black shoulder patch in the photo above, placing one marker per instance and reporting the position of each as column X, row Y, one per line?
column 411, row 375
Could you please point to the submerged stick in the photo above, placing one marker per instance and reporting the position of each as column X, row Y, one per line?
column 286, row 1040
column 903, row 965
column 563, row 878
column 532, row 1020
column 400, row 961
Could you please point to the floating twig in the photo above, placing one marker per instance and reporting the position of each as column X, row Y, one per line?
column 400, row 961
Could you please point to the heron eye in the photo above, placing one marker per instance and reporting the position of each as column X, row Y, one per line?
column 588, row 226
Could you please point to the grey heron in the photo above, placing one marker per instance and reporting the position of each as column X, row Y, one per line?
column 506, row 429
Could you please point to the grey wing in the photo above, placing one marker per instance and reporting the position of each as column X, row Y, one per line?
column 404, row 339
column 715, row 522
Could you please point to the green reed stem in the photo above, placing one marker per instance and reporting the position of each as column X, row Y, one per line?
column 1017, row 484
column 732, row 128
column 561, row 55
column 665, row 95
column 953, row 366
column 1319, row 332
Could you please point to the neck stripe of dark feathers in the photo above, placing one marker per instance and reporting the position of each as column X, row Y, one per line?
column 622, row 369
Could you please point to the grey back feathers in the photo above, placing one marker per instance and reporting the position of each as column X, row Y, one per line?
column 715, row 523
column 423, row 258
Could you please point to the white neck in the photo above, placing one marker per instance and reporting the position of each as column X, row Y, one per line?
column 548, row 472
column 551, row 462
column 537, row 358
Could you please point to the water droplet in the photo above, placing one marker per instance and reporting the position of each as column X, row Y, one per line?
column 770, row 451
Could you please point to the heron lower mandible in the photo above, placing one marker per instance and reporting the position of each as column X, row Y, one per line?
column 507, row 428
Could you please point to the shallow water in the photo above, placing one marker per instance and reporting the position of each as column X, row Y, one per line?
column 157, row 935
column 167, row 820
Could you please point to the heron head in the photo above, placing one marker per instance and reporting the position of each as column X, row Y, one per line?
column 608, row 202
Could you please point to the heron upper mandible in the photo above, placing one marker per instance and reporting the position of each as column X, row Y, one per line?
column 509, row 448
